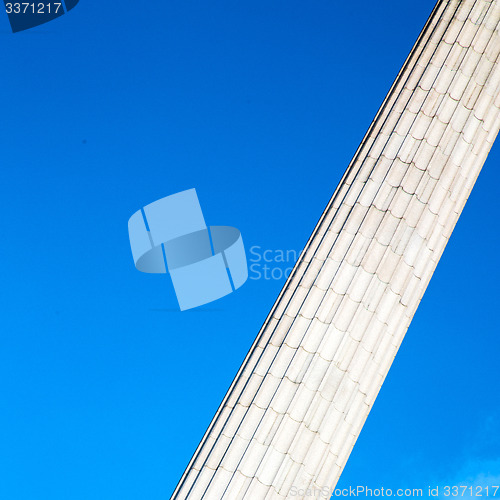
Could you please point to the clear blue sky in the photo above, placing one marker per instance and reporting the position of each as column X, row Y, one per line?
column 105, row 389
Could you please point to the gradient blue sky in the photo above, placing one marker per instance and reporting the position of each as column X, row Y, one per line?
column 106, row 389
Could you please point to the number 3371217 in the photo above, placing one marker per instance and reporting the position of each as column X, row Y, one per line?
column 32, row 8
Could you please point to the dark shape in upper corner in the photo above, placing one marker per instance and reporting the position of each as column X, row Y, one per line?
column 35, row 13
column 70, row 4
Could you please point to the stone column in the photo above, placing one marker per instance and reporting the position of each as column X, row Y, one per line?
column 296, row 407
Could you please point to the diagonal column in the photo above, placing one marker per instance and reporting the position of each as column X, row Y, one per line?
column 293, row 413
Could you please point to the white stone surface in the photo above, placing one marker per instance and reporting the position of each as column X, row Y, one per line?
column 299, row 401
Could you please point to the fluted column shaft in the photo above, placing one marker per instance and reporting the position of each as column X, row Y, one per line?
column 297, row 405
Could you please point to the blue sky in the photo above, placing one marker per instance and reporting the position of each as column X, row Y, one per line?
column 106, row 389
